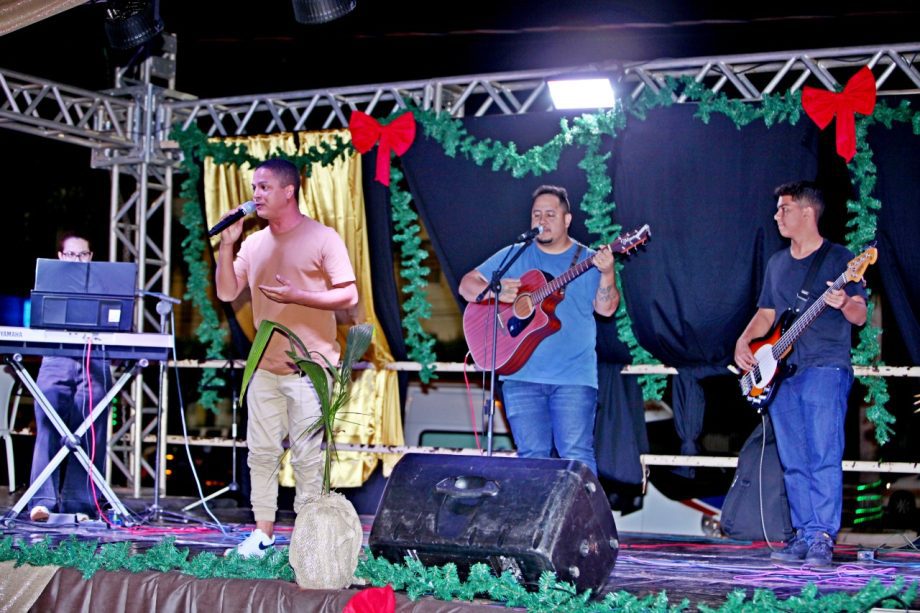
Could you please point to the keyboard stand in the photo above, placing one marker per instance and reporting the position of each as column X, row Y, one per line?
column 71, row 439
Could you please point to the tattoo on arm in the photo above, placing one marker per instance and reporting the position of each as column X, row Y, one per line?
column 605, row 293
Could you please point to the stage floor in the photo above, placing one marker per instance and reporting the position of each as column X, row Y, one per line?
column 702, row 570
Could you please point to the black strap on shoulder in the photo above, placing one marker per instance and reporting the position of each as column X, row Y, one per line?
column 804, row 293
column 574, row 261
column 577, row 254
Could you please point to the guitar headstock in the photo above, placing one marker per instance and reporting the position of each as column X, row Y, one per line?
column 856, row 267
column 631, row 240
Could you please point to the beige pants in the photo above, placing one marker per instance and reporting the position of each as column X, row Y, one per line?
column 282, row 406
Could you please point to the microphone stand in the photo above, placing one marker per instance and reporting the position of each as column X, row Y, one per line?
column 155, row 513
column 233, row 486
column 495, row 286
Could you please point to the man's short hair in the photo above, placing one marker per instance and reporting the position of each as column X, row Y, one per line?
column 285, row 171
column 554, row 190
column 805, row 193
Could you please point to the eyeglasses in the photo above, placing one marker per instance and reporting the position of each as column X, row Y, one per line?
column 77, row 255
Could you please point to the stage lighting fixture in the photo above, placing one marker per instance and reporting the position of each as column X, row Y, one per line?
column 131, row 23
column 321, row 11
column 581, row 93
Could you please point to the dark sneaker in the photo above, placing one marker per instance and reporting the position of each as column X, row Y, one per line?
column 795, row 550
column 821, row 552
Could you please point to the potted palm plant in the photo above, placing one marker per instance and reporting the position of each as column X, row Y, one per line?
column 327, row 536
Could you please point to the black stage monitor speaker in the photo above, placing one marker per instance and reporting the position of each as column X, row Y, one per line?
column 519, row 514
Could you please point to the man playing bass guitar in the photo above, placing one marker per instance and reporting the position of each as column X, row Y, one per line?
column 551, row 400
column 808, row 407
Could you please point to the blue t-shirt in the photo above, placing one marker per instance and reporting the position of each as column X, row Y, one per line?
column 568, row 356
column 826, row 341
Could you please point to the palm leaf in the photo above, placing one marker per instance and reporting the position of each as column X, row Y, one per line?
column 259, row 343
column 320, row 380
column 332, row 384
column 356, row 344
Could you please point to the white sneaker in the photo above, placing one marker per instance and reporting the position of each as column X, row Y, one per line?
column 256, row 545
column 39, row 513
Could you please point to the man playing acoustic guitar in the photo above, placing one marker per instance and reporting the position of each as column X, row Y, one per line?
column 551, row 400
column 808, row 407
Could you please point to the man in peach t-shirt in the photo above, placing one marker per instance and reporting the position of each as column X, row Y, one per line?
column 299, row 274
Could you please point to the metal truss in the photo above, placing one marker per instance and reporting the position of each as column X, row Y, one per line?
column 120, row 128
column 751, row 77
column 63, row 113
column 744, row 77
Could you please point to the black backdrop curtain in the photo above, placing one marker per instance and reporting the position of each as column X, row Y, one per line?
column 380, row 246
column 897, row 157
column 692, row 290
column 706, row 191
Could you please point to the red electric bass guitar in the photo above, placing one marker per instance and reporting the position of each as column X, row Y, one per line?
column 759, row 384
column 524, row 323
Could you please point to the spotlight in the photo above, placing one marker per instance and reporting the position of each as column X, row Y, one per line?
column 131, row 23
column 321, row 11
column 592, row 93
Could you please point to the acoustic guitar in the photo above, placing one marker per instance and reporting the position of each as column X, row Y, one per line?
column 771, row 350
column 524, row 323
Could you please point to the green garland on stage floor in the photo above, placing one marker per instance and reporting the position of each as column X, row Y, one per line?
column 442, row 583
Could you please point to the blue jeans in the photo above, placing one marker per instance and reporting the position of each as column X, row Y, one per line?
column 547, row 417
column 61, row 380
column 807, row 414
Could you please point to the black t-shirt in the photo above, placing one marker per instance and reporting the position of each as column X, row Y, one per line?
column 826, row 341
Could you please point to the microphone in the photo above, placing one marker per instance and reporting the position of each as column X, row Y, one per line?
column 245, row 209
column 529, row 235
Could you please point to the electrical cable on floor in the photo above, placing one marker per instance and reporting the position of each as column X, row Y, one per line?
column 763, row 448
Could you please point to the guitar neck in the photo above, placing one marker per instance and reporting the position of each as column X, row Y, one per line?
column 805, row 319
column 562, row 280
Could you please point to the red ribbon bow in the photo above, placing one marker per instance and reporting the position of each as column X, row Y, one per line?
column 858, row 96
column 396, row 136
column 372, row 600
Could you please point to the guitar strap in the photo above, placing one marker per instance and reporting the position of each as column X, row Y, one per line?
column 804, row 295
column 574, row 261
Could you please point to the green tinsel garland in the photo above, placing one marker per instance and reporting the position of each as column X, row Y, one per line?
column 864, row 211
column 442, row 583
column 417, row 306
column 88, row 557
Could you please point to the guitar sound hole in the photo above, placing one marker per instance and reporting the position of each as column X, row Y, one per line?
column 523, row 306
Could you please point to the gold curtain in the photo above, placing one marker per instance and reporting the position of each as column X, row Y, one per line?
column 334, row 196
